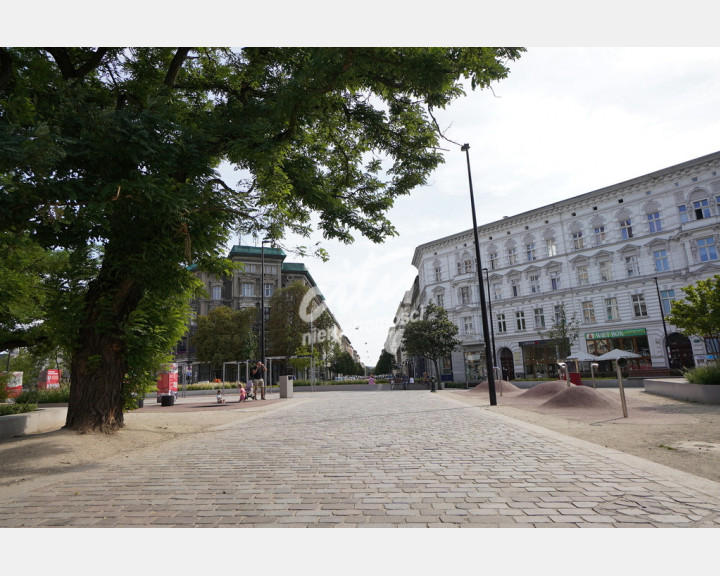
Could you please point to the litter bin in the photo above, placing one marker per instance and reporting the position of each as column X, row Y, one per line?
column 286, row 386
column 575, row 378
column 167, row 400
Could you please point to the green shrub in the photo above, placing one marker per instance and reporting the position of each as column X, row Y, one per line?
column 52, row 396
column 704, row 374
column 7, row 409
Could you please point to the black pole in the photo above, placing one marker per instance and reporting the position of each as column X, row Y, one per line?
column 486, row 332
column 262, row 302
column 492, row 324
column 662, row 315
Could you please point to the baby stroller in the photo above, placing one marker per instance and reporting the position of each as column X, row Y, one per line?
column 249, row 392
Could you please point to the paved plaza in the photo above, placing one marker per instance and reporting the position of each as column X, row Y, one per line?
column 364, row 459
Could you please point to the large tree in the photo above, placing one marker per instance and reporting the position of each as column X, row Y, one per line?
column 225, row 335
column 433, row 336
column 120, row 148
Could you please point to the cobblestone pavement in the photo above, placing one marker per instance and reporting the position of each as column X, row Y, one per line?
column 358, row 459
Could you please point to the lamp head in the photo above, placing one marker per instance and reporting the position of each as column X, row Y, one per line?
column 562, row 364
column 594, row 366
column 465, row 147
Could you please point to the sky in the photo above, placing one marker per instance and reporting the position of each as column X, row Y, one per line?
column 565, row 122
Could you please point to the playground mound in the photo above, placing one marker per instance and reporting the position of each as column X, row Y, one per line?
column 546, row 389
column 503, row 385
column 579, row 397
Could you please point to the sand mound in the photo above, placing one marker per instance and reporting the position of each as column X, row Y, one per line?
column 503, row 385
column 579, row 396
column 546, row 389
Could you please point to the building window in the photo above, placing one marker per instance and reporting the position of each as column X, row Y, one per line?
column 559, row 314
column 467, row 265
column 626, row 231
column 588, row 312
column 515, row 287
column 701, row 209
column 631, row 266
column 706, row 249
column 583, row 277
column 438, row 274
column 440, row 299
column 502, row 327
column 530, row 250
column 667, row 297
column 520, row 320
column 247, row 289
column 577, row 238
column 512, row 256
column 661, row 261
column 683, row 214
column 465, row 295
column 468, row 324
column 493, row 260
column 605, row 271
column 216, row 292
column 599, row 235
column 539, row 318
column 535, row 283
column 269, row 289
column 550, row 247
column 497, row 291
column 555, row 280
column 250, row 268
column 654, row 222
column 639, row 307
column 611, row 309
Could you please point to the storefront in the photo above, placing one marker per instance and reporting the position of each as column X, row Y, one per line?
column 540, row 358
column 632, row 340
column 475, row 365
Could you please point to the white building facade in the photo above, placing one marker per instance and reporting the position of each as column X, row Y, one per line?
column 614, row 259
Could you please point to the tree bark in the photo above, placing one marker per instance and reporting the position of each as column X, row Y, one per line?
column 99, row 366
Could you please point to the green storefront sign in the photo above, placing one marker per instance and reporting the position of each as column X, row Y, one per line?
column 616, row 334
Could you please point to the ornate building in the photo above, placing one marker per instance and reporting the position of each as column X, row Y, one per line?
column 614, row 259
column 249, row 286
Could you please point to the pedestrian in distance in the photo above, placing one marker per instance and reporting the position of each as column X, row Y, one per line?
column 257, row 377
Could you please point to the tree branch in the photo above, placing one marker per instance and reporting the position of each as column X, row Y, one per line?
column 64, row 62
column 175, row 66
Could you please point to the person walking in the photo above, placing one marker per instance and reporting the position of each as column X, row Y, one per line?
column 258, row 381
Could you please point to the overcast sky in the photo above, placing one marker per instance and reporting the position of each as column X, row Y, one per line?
column 565, row 122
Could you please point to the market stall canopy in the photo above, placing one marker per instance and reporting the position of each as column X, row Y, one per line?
column 616, row 354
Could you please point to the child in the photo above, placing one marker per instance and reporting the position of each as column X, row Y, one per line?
column 241, row 391
column 220, row 397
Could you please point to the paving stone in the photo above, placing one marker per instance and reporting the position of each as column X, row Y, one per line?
column 326, row 461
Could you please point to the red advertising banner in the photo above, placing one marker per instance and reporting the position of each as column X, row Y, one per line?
column 48, row 379
column 167, row 381
column 14, row 385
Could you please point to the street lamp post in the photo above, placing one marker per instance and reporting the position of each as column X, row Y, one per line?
column 492, row 325
column 486, row 332
column 262, row 302
column 662, row 315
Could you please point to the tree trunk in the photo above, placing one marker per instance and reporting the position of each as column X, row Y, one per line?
column 99, row 366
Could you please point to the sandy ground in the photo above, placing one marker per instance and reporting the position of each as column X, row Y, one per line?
column 682, row 435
